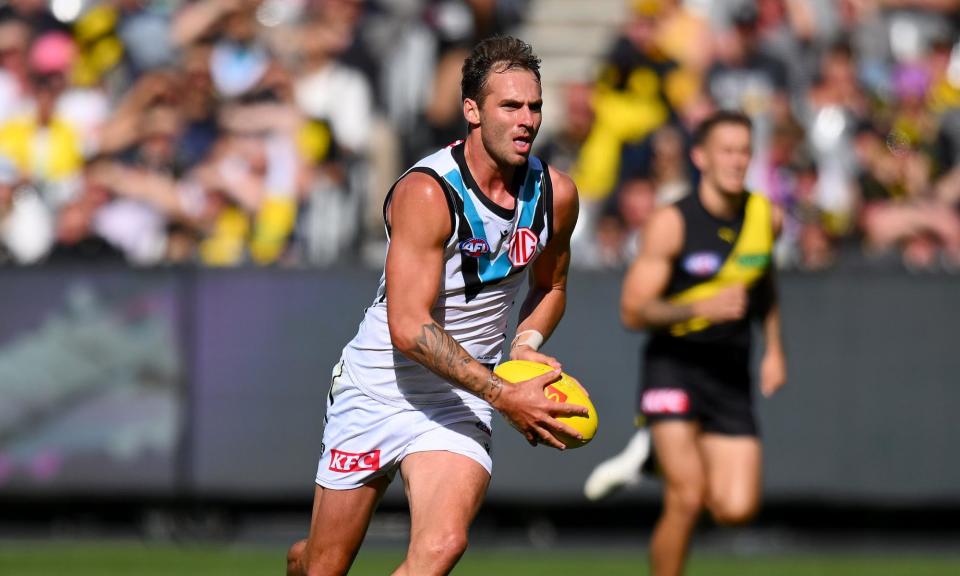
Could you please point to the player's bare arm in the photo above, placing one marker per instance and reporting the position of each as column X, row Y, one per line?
column 420, row 225
column 642, row 305
column 547, row 297
column 773, row 366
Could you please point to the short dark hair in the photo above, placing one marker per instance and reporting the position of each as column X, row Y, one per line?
column 499, row 54
column 720, row 118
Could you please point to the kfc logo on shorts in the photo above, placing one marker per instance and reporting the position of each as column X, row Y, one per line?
column 702, row 263
column 523, row 246
column 350, row 462
column 474, row 247
column 665, row 401
column 554, row 393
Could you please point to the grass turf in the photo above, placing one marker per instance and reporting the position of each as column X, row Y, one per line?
column 95, row 559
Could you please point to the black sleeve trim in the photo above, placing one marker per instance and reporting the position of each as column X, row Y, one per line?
column 446, row 194
column 547, row 198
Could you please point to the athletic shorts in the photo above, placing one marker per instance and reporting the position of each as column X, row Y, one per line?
column 364, row 439
column 707, row 384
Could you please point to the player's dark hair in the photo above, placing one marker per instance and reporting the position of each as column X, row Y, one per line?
column 720, row 118
column 495, row 54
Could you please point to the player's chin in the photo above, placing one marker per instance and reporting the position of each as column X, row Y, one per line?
column 732, row 187
column 519, row 157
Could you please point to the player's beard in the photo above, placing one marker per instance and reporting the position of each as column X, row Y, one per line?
column 729, row 186
column 498, row 143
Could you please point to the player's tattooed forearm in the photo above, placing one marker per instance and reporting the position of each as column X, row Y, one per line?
column 439, row 352
column 491, row 393
column 444, row 356
column 440, row 349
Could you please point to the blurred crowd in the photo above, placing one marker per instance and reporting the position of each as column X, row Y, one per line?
column 267, row 132
column 856, row 111
column 219, row 132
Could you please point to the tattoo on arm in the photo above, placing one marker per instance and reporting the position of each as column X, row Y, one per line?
column 444, row 356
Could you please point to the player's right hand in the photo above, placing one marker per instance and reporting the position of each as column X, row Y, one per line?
column 728, row 305
column 526, row 408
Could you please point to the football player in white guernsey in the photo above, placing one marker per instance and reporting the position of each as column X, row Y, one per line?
column 414, row 390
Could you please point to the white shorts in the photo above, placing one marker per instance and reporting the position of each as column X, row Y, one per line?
column 364, row 439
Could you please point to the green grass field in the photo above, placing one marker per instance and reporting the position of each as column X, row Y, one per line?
column 115, row 559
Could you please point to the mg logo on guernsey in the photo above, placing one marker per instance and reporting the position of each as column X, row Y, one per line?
column 665, row 401
column 523, row 247
column 554, row 393
column 351, row 462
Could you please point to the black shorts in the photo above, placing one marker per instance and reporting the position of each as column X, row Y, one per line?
column 705, row 383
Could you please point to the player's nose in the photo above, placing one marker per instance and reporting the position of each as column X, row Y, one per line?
column 527, row 117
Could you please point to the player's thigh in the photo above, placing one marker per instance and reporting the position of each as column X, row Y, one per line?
column 675, row 443
column 733, row 467
column 445, row 490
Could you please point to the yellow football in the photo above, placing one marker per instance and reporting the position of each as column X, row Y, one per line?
column 567, row 389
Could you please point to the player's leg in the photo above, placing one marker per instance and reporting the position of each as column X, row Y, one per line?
column 339, row 523
column 445, row 491
column 358, row 458
column 684, row 491
column 733, row 467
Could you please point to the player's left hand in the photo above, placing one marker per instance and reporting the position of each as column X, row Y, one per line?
column 523, row 352
column 773, row 372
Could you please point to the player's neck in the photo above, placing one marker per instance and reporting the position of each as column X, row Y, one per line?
column 493, row 179
column 720, row 204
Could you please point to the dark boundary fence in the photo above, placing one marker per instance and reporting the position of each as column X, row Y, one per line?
column 868, row 420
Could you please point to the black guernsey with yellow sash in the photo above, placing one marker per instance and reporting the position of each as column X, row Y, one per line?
column 696, row 370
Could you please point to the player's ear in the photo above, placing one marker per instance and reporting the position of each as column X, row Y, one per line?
column 699, row 158
column 471, row 111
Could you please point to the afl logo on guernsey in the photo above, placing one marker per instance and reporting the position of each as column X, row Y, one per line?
column 474, row 247
column 523, row 247
column 702, row 263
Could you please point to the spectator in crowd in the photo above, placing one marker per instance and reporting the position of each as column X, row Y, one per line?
column 77, row 240
column 338, row 103
column 633, row 98
column 898, row 208
column 14, row 72
column 636, row 199
column 26, row 224
column 43, row 144
column 562, row 149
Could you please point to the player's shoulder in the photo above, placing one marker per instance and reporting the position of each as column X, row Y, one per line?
column 419, row 185
column 775, row 211
column 776, row 217
column 564, row 188
column 664, row 231
column 667, row 218
column 419, row 199
column 566, row 201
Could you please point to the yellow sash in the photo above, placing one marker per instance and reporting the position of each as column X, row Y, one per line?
column 746, row 264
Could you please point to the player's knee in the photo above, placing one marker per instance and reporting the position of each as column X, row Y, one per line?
column 442, row 548
column 326, row 563
column 733, row 511
column 294, row 554
column 688, row 500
